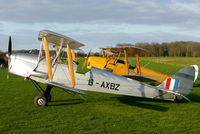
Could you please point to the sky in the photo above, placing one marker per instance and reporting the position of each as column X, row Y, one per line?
column 99, row 23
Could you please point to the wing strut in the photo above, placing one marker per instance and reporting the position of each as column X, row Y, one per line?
column 48, row 60
column 138, row 64
column 70, row 64
column 126, row 61
column 57, row 52
column 103, row 53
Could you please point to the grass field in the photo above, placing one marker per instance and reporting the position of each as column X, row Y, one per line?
column 99, row 113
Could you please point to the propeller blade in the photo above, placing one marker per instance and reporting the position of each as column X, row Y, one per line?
column 9, row 53
column 10, row 46
column 86, row 59
column 88, row 55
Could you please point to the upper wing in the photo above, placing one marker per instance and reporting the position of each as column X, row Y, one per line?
column 131, row 50
column 70, row 89
column 58, row 39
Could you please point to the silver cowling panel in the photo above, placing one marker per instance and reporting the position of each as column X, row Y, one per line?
column 22, row 64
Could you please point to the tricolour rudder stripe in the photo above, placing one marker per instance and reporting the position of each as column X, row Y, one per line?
column 176, row 85
column 168, row 81
column 171, row 87
column 171, row 84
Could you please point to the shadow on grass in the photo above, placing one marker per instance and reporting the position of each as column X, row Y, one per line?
column 194, row 97
column 65, row 102
column 140, row 102
column 196, row 85
column 129, row 100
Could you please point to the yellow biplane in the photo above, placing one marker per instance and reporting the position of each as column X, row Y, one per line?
column 116, row 60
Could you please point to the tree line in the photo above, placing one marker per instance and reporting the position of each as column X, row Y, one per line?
column 172, row 49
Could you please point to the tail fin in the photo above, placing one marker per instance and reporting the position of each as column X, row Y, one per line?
column 182, row 81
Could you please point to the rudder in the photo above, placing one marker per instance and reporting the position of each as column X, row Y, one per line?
column 182, row 81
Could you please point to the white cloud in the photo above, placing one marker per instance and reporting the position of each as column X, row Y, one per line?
column 193, row 8
column 93, row 11
column 155, row 12
column 102, row 22
column 128, row 2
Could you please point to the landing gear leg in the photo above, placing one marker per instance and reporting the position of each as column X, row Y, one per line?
column 47, row 93
column 44, row 97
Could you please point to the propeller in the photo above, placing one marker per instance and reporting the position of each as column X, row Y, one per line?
column 86, row 59
column 9, row 46
column 9, row 53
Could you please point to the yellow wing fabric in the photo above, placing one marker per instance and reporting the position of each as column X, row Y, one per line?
column 153, row 74
column 131, row 50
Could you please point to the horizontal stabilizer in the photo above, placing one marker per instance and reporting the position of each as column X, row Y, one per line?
column 170, row 93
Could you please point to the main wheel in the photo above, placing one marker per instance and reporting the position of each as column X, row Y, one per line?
column 40, row 100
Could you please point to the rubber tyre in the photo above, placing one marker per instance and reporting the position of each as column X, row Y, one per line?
column 40, row 100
